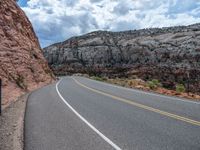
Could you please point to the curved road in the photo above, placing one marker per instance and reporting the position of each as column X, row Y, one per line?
column 77, row 113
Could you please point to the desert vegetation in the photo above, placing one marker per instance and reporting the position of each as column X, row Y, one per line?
column 153, row 85
column 180, row 88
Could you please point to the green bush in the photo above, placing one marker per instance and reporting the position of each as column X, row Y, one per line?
column 157, row 82
column 98, row 78
column 154, row 84
column 180, row 88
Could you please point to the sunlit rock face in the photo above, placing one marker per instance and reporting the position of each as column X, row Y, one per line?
column 168, row 54
column 22, row 65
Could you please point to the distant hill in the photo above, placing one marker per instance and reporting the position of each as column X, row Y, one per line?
column 170, row 54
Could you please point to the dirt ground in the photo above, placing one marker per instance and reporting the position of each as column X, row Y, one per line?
column 12, row 125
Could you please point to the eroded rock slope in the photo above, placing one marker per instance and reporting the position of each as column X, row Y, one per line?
column 171, row 55
column 22, row 65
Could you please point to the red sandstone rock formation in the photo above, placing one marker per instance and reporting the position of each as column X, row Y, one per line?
column 22, row 65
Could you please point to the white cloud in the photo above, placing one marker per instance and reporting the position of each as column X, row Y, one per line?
column 57, row 20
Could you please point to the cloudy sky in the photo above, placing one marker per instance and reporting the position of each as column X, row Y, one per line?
column 58, row 20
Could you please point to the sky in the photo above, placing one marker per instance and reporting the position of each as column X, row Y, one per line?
column 58, row 20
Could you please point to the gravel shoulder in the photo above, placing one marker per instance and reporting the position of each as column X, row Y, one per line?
column 12, row 125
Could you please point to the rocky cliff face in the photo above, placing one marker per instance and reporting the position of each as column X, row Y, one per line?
column 22, row 65
column 171, row 55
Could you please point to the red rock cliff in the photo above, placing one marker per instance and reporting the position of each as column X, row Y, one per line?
column 22, row 65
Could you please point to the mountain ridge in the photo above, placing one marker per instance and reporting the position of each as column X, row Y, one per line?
column 170, row 54
column 125, row 31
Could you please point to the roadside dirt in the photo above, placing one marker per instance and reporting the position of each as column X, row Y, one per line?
column 12, row 125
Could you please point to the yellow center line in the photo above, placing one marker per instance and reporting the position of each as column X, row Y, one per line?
column 174, row 116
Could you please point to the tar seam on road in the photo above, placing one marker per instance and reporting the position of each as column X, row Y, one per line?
column 149, row 93
column 84, row 120
column 174, row 116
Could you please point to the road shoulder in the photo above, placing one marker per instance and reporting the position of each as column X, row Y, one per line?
column 12, row 125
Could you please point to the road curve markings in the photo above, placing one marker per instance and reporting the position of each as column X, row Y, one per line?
column 116, row 147
column 164, row 113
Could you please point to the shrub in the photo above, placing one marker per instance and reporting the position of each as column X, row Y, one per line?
column 180, row 88
column 154, row 84
column 21, row 82
column 130, row 83
column 157, row 82
column 98, row 78
column 135, row 82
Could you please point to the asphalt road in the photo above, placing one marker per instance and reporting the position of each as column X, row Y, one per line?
column 77, row 113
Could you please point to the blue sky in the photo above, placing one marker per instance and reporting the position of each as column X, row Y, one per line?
column 22, row 3
column 58, row 20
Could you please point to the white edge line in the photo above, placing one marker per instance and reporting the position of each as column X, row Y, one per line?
column 84, row 120
column 147, row 93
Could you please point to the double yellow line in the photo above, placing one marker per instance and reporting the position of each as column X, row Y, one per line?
column 177, row 117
